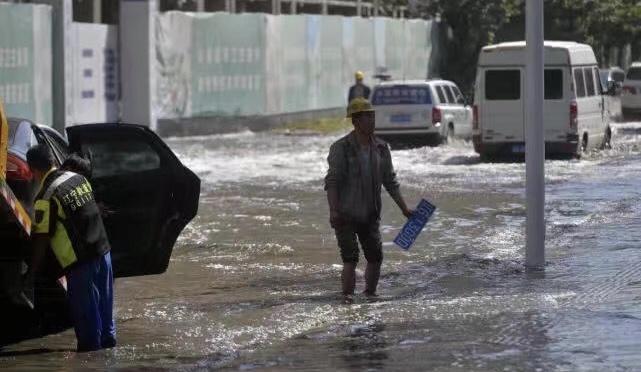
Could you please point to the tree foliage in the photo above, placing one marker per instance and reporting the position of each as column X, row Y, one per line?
column 476, row 23
column 473, row 24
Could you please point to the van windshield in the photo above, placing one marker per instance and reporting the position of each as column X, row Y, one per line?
column 402, row 95
column 634, row 73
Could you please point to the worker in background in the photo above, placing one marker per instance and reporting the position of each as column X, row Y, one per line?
column 359, row 164
column 359, row 89
column 68, row 222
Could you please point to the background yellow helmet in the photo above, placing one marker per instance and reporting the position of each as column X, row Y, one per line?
column 359, row 75
column 357, row 105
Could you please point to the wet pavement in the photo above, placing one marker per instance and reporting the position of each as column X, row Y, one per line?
column 253, row 281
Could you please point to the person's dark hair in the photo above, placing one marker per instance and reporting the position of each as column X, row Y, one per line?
column 39, row 157
column 77, row 164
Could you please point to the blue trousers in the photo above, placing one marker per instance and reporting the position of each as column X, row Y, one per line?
column 90, row 292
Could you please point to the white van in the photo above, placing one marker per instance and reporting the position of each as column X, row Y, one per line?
column 631, row 95
column 575, row 113
column 420, row 111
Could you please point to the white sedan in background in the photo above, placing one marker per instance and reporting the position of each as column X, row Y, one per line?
column 420, row 112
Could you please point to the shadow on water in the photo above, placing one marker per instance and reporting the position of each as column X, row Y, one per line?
column 39, row 351
column 462, row 160
column 520, row 158
column 407, row 144
column 364, row 347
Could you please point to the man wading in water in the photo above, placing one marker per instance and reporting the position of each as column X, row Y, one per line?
column 359, row 164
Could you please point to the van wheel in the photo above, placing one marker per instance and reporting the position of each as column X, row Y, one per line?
column 607, row 140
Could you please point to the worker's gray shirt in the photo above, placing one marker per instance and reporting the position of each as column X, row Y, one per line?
column 345, row 174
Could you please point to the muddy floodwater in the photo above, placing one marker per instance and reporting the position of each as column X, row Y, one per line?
column 253, row 282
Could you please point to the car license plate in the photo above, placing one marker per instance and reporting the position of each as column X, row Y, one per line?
column 415, row 224
column 400, row 118
column 518, row 149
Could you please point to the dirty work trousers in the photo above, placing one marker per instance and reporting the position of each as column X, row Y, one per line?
column 90, row 292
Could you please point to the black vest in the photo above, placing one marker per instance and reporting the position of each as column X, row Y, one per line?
column 82, row 220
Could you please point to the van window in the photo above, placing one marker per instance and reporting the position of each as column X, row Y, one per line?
column 589, row 81
column 503, row 85
column 578, row 83
column 402, row 95
column 448, row 93
column 553, row 84
column 597, row 81
column 441, row 95
column 603, row 75
column 634, row 73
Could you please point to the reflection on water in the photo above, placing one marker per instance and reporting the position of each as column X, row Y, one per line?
column 253, row 282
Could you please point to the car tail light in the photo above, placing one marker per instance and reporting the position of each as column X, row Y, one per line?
column 574, row 113
column 475, row 117
column 436, row 115
column 17, row 169
column 629, row 89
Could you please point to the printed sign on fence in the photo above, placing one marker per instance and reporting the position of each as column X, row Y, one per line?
column 415, row 224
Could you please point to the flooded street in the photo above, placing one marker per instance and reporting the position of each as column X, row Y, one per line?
column 253, row 283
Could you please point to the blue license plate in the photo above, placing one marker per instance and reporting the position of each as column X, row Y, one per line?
column 415, row 224
column 518, row 149
column 400, row 118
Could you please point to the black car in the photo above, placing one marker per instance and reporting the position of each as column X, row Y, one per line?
column 148, row 196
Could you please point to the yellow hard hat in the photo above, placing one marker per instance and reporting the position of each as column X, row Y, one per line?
column 359, row 75
column 358, row 105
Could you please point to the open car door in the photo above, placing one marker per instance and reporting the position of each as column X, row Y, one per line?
column 147, row 195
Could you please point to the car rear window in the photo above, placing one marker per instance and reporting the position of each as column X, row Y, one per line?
column 553, row 83
column 634, row 73
column 448, row 93
column 121, row 156
column 457, row 93
column 503, row 85
column 402, row 95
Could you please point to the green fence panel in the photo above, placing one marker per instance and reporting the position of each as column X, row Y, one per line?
column 228, row 59
column 396, row 48
column 294, row 67
column 22, row 88
column 417, row 49
column 253, row 64
column 331, row 64
column 363, row 48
